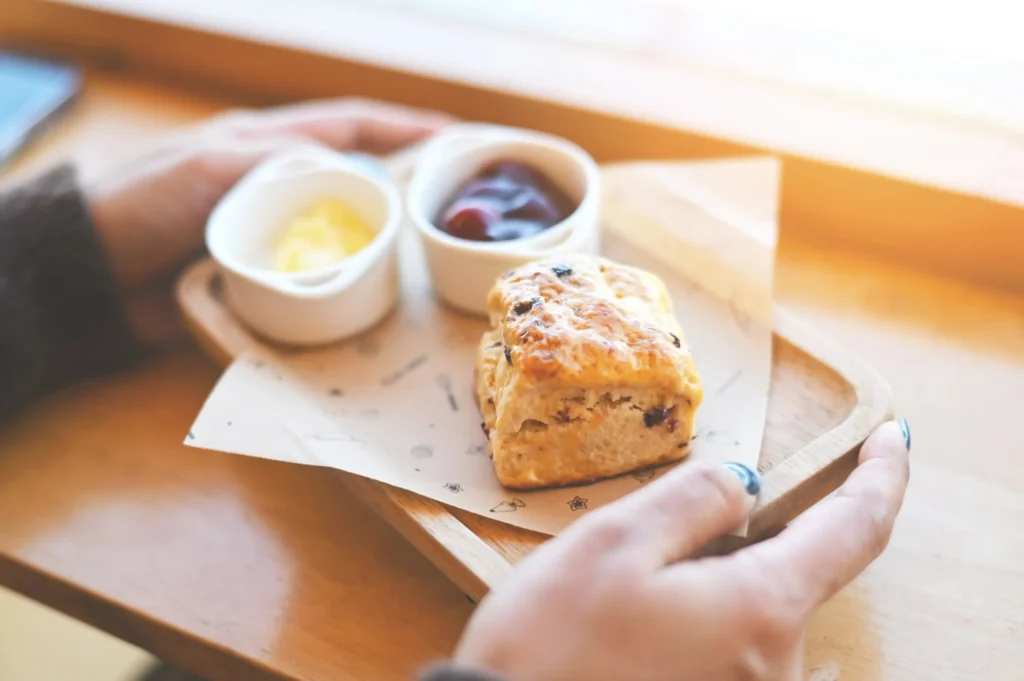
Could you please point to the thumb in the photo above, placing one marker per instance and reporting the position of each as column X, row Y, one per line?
column 678, row 514
column 832, row 543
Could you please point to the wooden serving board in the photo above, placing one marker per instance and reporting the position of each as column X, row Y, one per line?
column 822, row 405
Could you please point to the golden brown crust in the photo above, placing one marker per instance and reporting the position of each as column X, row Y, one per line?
column 488, row 354
column 586, row 374
column 595, row 324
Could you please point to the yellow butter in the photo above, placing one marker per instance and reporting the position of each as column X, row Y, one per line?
column 326, row 233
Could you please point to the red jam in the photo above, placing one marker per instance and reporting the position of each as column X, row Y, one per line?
column 506, row 200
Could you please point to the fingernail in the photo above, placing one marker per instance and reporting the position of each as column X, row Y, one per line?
column 905, row 427
column 750, row 479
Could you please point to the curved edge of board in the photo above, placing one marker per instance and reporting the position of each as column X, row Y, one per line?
column 453, row 548
column 815, row 465
column 458, row 552
column 476, row 567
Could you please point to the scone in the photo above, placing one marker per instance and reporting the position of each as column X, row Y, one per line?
column 584, row 375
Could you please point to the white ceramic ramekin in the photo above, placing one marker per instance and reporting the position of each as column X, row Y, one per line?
column 318, row 306
column 463, row 271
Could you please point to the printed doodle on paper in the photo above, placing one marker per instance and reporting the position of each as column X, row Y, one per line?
column 508, row 506
column 577, row 504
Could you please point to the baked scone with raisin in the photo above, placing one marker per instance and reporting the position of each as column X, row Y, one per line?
column 584, row 375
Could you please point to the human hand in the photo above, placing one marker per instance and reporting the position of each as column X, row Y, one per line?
column 151, row 214
column 615, row 597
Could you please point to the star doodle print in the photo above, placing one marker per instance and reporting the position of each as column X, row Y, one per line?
column 577, row 504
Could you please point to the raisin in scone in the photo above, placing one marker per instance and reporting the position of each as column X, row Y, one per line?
column 584, row 375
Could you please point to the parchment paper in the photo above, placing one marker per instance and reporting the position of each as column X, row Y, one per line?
column 396, row 404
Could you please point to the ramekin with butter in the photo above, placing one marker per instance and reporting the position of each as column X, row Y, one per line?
column 307, row 246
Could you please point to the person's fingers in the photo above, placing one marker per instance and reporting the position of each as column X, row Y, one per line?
column 154, row 217
column 833, row 542
column 345, row 124
column 226, row 160
column 677, row 514
column 386, row 130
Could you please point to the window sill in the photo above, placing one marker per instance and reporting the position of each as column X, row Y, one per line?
column 943, row 193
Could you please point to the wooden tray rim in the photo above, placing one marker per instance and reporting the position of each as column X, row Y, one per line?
column 475, row 566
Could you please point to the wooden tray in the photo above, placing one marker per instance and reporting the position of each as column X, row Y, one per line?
column 822, row 405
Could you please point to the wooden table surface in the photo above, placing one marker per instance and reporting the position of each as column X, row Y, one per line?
column 241, row 568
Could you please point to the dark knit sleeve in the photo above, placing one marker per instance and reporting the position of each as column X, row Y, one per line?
column 444, row 672
column 61, row 317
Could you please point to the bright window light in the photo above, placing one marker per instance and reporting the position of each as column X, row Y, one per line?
column 963, row 58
